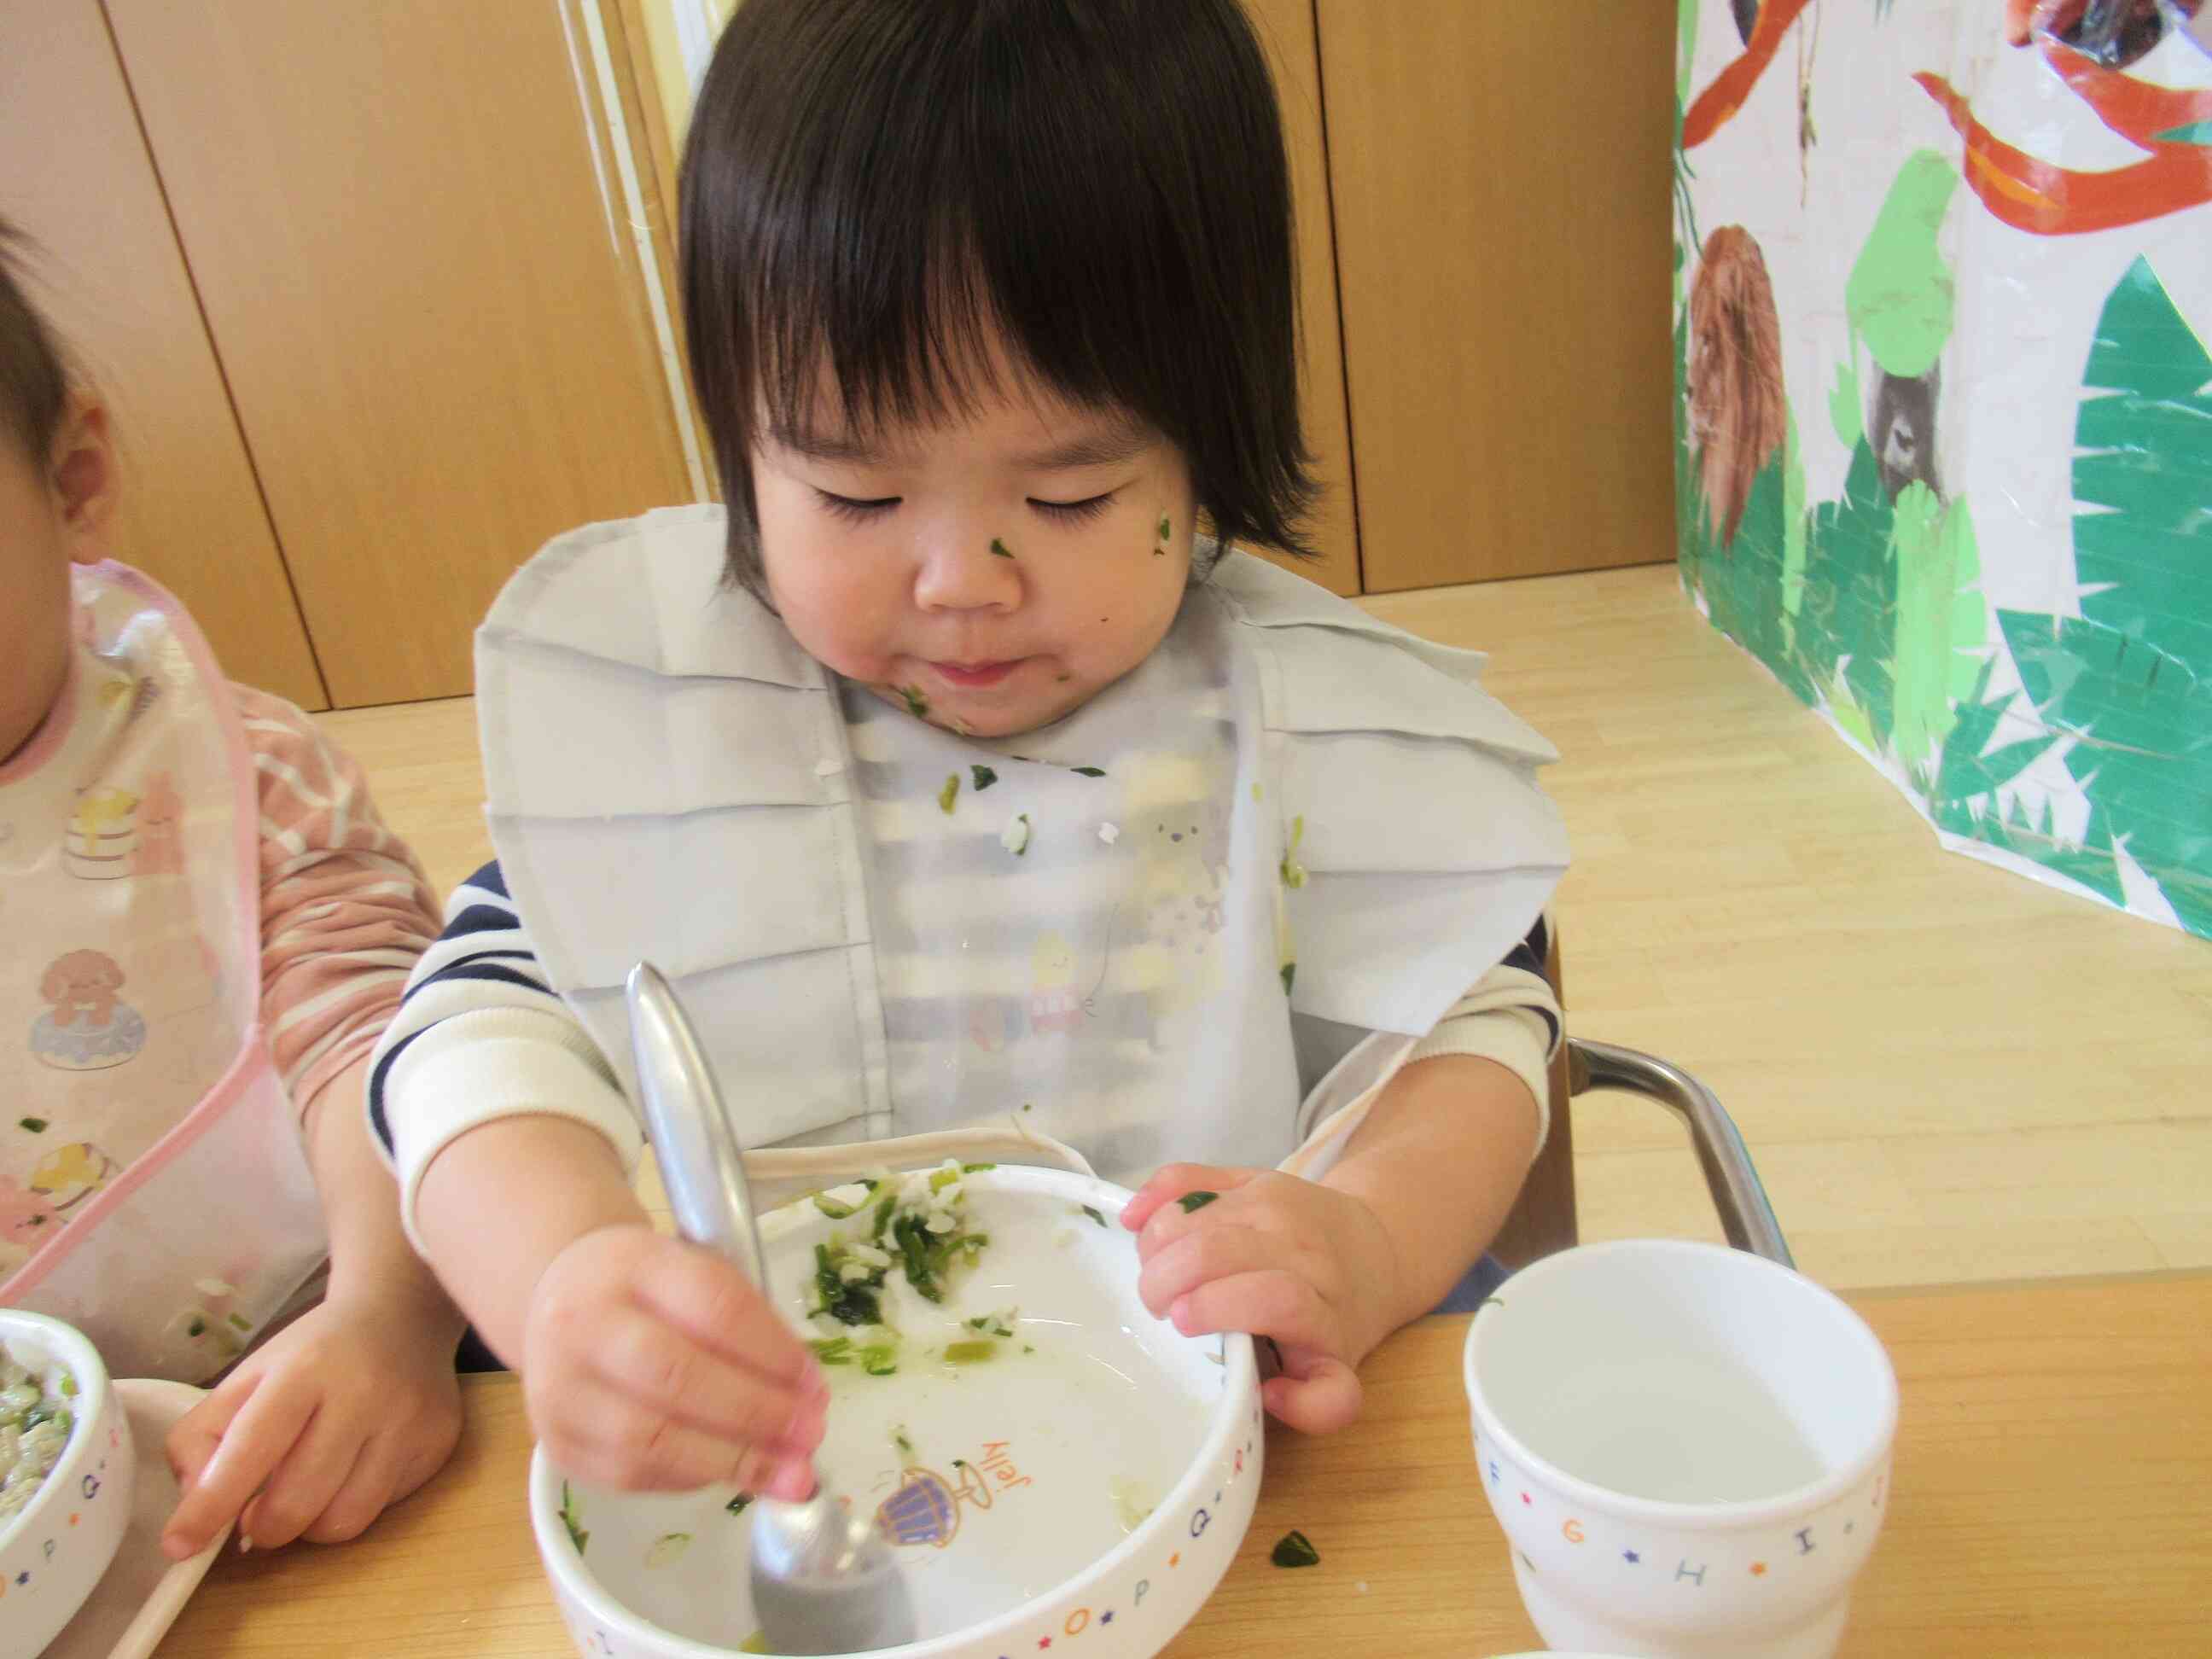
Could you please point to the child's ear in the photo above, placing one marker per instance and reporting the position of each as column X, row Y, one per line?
column 84, row 478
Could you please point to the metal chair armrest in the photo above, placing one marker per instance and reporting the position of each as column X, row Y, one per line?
column 1746, row 1216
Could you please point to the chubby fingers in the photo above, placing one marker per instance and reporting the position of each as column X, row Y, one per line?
column 1316, row 1393
column 1174, row 1190
column 222, row 1451
column 656, row 1365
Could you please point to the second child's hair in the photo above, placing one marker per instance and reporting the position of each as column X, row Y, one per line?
column 34, row 382
column 878, row 189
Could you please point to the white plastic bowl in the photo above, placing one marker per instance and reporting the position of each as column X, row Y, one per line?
column 56, row 1551
column 1021, row 1506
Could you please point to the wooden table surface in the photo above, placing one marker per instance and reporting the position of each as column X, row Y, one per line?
column 2052, row 1496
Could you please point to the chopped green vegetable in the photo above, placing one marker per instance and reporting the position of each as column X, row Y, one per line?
column 949, row 793
column 740, row 1503
column 1015, row 837
column 1295, row 1549
column 833, row 1350
column 970, row 1353
column 916, row 704
column 899, row 1440
column 879, row 1358
column 976, row 1169
column 849, row 1301
column 68, row 1386
column 1164, row 530
column 836, row 1208
column 37, row 1126
column 241, row 1321
column 1000, row 549
column 572, row 1519
column 1293, row 872
column 1094, row 1215
column 1196, row 1201
column 757, row 1642
column 984, row 776
column 197, row 1327
column 1088, row 771
column 667, row 1548
column 1290, row 973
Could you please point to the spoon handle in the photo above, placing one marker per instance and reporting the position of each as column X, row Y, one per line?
column 702, row 1165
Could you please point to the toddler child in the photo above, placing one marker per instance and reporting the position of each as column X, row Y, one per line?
column 206, row 925
column 953, row 776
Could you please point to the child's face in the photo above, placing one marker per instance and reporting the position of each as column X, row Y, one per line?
column 992, row 574
column 49, row 515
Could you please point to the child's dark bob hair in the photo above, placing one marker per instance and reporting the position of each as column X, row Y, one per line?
column 34, row 382
column 883, row 187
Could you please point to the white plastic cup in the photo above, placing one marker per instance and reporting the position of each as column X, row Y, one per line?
column 1688, row 1447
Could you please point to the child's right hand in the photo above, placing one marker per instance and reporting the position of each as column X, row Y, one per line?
column 652, row 1364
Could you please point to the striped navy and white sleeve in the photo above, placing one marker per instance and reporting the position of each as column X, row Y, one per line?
column 1510, row 1016
column 480, row 1035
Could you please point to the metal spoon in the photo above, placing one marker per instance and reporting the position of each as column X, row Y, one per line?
column 824, row 1579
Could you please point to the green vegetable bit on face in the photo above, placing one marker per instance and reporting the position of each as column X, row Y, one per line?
column 1196, row 1201
column 573, row 1520
column 916, row 704
column 1166, row 531
column 1295, row 1549
column 241, row 1321
column 196, row 1328
column 740, row 1503
column 949, row 793
column 37, row 1126
column 970, row 1353
column 1001, row 549
column 984, row 776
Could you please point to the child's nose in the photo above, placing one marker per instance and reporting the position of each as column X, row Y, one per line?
column 964, row 569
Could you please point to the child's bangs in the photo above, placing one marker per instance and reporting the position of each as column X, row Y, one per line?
column 985, row 254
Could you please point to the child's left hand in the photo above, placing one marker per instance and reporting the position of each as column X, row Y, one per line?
column 1310, row 1267
column 343, row 1412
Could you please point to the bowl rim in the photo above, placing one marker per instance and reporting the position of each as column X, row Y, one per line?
column 93, row 1394
column 1740, row 1515
column 1225, row 1420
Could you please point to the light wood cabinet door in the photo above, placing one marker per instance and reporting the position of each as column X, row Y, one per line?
column 1500, row 177
column 1287, row 28
column 107, row 272
column 410, row 243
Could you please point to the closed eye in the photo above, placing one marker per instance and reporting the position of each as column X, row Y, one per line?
column 1074, row 512
column 845, row 507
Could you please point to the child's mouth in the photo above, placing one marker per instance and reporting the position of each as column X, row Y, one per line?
column 973, row 676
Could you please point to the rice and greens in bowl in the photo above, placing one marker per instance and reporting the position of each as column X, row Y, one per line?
column 1047, row 1457
column 36, row 1415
